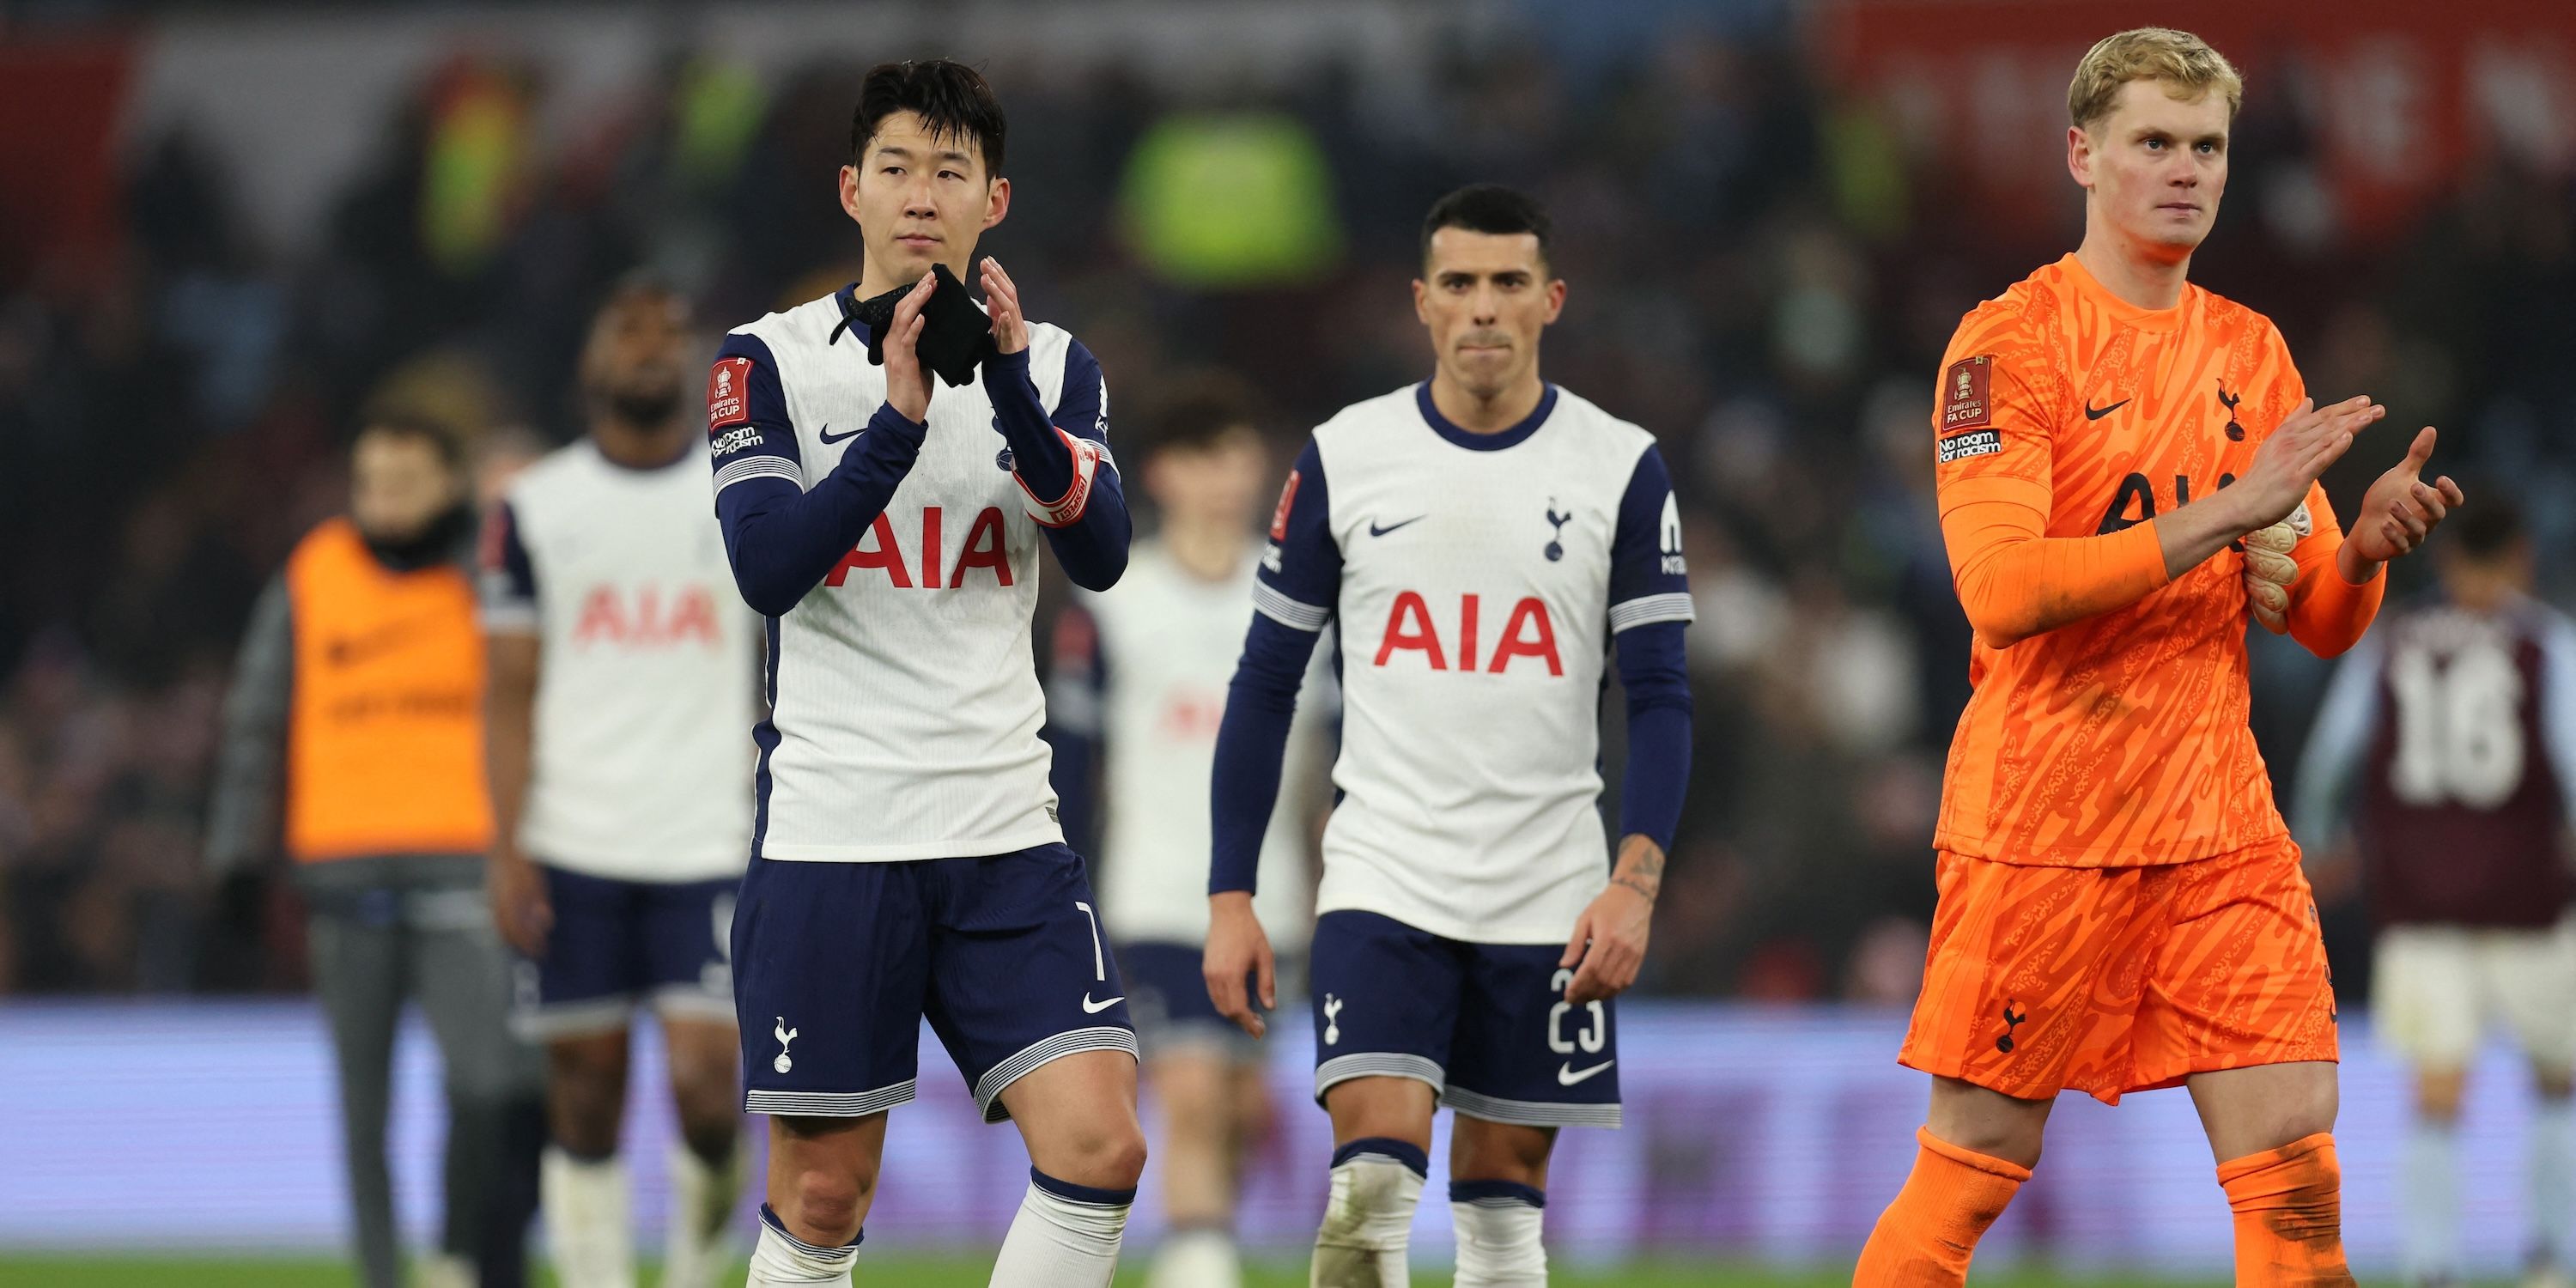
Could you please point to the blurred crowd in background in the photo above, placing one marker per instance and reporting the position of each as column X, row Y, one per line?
column 1763, row 272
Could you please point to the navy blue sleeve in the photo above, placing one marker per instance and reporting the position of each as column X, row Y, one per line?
column 1650, row 605
column 1077, row 690
column 780, row 538
column 1656, row 678
column 509, row 577
column 1293, row 598
column 1648, row 582
column 1092, row 544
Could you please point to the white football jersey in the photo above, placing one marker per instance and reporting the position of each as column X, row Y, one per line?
column 905, row 703
column 1477, row 580
column 647, row 667
column 1167, row 640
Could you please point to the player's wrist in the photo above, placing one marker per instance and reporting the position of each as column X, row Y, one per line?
column 907, row 412
column 2353, row 566
column 1641, row 866
column 1644, row 888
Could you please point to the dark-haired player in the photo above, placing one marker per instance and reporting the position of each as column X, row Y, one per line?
column 1138, row 687
column 2457, row 718
column 618, row 698
column 1483, row 538
column 906, row 861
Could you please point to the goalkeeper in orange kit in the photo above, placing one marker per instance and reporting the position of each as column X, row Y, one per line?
column 2127, row 472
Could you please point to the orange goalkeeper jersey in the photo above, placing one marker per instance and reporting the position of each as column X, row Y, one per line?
column 2120, row 739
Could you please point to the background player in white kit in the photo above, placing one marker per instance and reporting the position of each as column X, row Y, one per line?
column 1482, row 538
column 622, row 674
column 906, row 862
column 2451, row 728
column 1133, row 704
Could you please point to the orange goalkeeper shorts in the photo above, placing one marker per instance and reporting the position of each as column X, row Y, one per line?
column 2113, row 980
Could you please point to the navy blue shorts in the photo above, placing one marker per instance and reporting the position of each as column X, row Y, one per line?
column 1168, row 989
column 619, row 944
column 1487, row 1025
column 837, row 964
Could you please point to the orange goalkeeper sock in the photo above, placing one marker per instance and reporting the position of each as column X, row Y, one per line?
column 2289, row 1215
column 1926, row 1236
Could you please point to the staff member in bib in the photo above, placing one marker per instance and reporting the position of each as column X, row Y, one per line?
column 353, row 744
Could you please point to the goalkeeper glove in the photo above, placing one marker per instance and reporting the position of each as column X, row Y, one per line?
column 2270, row 572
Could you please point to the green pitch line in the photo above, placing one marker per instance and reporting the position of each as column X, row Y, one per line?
column 956, row 1272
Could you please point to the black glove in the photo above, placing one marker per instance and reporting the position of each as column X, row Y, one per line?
column 956, row 336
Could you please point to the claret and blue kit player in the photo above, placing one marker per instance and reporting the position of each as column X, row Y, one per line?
column 2442, row 766
column 906, row 859
column 1483, row 541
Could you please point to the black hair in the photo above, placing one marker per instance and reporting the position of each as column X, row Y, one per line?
column 640, row 280
column 1197, row 412
column 446, row 442
column 951, row 98
column 1487, row 208
column 2485, row 529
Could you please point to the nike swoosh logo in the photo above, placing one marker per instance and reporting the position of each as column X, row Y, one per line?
column 2091, row 413
column 1567, row 1075
column 828, row 436
column 1090, row 1007
column 1376, row 531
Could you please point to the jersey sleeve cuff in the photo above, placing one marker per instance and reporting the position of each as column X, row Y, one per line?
column 1279, row 608
column 1673, row 607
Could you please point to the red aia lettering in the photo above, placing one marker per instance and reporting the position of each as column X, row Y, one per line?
column 985, row 548
column 1408, row 626
column 887, row 555
column 606, row 617
column 1528, row 616
column 1528, row 632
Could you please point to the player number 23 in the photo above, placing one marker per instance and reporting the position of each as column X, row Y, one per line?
column 1595, row 1031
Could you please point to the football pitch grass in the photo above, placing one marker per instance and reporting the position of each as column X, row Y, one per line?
column 969, row 1272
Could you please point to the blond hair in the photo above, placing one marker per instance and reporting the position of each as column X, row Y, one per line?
column 2184, row 62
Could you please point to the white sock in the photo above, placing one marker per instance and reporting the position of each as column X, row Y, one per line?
column 2428, row 1244
column 1197, row 1258
column 2553, row 1180
column 1368, row 1222
column 1498, row 1234
column 444, row 1270
column 698, row 1241
column 587, row 1229
column 1066, row 1236
column 781, row 1260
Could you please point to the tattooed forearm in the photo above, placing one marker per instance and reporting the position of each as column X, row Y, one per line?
column 1641, row 867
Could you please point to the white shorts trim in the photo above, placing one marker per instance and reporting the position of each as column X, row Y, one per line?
column 1529, row 1113
column 690, row 1002
column 989, row 1088
column 1201, row 1038
column 829, row 1104
column 1379, row 1064
column 588, row 1017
